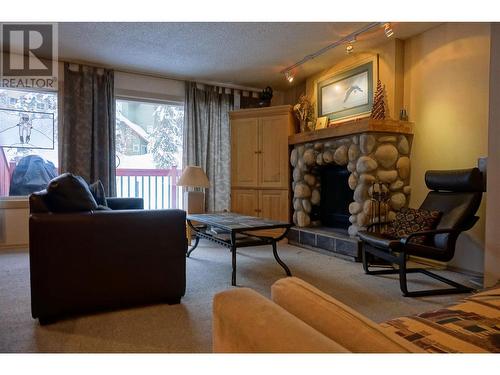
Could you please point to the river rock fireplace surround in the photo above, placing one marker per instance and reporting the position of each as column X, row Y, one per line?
column 371, row 151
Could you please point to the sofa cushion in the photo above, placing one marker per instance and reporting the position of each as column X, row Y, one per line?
column 97, row 190
column 125, row 203
column 244, row 322
column 335, row 320
column 100, row 207
column 69, row 193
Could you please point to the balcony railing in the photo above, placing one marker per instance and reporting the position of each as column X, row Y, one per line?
column 158, row 187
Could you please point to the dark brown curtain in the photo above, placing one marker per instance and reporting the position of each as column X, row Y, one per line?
column 207, row 141
column 88, row 139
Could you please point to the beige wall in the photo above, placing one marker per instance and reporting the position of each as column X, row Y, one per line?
column 446, row 80
column 492, row 249
column 441, row 77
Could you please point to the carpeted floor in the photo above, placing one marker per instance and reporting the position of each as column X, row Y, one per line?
column 187, row 327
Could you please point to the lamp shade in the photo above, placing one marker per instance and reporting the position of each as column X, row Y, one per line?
column 193, row 176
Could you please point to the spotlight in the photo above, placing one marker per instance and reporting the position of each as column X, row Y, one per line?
column 289, row 77
column 388, row 30
column 349, row 48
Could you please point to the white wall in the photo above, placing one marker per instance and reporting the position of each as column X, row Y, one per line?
column 14, row 215
column 143, row 86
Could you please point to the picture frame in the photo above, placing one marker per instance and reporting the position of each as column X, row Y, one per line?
column 347, row 94
column 321, row 122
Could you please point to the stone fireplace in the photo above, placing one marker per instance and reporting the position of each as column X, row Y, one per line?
column 355, row 154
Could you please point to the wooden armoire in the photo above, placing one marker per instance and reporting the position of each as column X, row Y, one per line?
column 260, row 166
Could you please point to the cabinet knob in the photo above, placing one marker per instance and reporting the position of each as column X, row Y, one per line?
column 258, row 152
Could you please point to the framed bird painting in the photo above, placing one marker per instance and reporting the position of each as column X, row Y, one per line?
column 347, row 94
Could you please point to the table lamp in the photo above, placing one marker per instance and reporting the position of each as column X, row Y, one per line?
column 194, row 200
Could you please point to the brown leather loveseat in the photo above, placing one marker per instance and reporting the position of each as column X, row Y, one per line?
column 104, row 259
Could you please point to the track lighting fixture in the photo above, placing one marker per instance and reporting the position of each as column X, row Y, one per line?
column 348, row 41
column 388, row 30
column 349, row 48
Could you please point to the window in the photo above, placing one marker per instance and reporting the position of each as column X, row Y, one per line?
column 28, row 141
column 149, row 152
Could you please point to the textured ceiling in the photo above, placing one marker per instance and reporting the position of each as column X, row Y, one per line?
column 246, row 54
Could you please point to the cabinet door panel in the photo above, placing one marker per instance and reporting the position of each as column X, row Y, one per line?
column 245, row 201
column 244, row 156
column 273, row 144
column 274, row 204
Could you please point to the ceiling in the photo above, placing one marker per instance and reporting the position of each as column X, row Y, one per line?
column 244, row 54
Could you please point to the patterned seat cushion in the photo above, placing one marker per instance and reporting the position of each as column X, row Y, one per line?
column 472, row 326
column 411, row 220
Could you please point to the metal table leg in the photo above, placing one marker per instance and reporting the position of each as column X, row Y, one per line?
column 233, row 255
column 197, row 239
column 278, row 259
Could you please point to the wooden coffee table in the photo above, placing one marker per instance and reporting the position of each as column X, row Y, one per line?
column 233, row 230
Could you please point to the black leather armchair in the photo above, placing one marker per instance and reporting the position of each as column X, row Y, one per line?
column 457, row 195
column 87, row 261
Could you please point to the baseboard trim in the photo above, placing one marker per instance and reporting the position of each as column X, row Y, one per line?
column 7, row 248
column 445, row 266
column 428, row 262
column 14, row 203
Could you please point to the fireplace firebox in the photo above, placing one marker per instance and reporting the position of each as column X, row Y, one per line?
column 335, row 196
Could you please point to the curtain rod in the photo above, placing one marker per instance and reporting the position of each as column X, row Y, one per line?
column 153, row 75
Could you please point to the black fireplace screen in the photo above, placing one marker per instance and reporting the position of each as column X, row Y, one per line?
column 335, row 196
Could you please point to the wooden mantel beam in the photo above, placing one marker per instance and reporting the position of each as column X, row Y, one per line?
column 365, row 125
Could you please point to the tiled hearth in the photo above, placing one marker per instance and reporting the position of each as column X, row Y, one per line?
column 334, row 241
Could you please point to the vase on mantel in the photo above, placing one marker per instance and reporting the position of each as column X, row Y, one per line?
column 303, row 126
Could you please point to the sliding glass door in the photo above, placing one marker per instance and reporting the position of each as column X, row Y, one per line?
column 149, row 152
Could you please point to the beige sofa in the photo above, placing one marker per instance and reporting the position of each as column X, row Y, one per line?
column 302, row 319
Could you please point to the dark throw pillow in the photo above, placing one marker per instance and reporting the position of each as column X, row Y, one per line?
column 69, row 193
column 411, row 220
column 97, row 190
